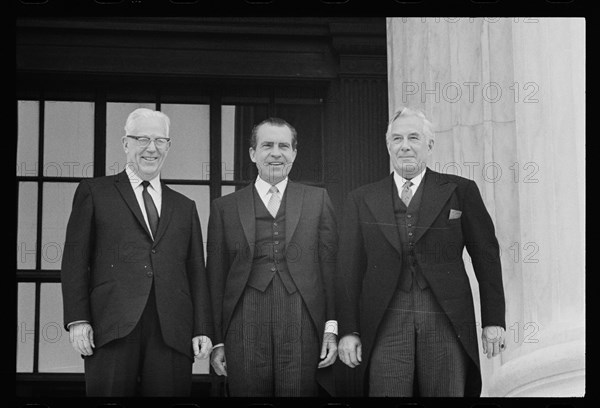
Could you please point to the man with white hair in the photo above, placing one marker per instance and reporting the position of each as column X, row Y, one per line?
column 404, row 302
column 135, row 294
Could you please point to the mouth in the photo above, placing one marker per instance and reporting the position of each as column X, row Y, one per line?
column 275, row 164
column 150, row 159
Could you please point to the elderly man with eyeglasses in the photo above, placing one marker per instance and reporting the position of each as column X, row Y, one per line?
column 135, row 293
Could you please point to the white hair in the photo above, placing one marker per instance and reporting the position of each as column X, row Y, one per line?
column 146, row 113
column 403, row 112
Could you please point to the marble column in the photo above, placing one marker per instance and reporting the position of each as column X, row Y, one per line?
column 507, row 98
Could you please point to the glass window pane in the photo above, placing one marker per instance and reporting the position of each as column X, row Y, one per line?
column 227, row 190
column 68, row 139
column 27, row 226
column 189, row 157
column 201, row 195
column 25, row 326
column 27, row 138
column 227, row 142
column 116, row 116
column 237, row 122
column 56, row 353
column 58, row 200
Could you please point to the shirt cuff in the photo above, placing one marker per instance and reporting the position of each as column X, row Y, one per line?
column 219, row 345
column 76, row 322
column 331, row 326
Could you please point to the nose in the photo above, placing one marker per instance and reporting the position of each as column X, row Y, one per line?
column 151, row 146
column 405, row 146
column 275, row 152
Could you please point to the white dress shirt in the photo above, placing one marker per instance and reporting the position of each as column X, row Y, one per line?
column 262, row 187
column 416, row 180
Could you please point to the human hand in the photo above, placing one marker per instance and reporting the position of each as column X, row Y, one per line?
column 81, row 336
column 328, row 350
column 217, row 361
column 492, row 339
column 202, row 346
column 350, row 350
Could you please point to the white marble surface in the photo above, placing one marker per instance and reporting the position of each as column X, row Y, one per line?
column 507, row 97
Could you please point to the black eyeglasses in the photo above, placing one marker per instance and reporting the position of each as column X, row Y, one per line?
column 144, row 141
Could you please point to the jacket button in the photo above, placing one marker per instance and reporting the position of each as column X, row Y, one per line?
column 154, row 251
column 273, row 269
column 149, row 274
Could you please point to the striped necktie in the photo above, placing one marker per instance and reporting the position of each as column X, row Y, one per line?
column 406, row 194
column 274, row 201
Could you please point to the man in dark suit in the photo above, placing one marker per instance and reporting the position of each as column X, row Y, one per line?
column 271, row 263
column 134, row 285
column 404, row 301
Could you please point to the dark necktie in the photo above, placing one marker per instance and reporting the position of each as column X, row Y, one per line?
column 150, row 209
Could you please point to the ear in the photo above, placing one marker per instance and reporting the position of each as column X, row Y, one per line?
column 252, row 153
column 125, row 142
column 430, row 144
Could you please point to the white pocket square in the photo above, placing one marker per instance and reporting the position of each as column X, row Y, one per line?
column 454, row 214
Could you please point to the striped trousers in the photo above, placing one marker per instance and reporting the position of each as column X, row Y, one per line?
column 271, row 346
column 416, row 341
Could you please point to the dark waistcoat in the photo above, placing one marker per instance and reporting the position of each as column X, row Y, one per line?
column 269, row 251
column 406, row 219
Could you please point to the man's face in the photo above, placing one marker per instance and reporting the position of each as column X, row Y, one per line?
column 274, row 155
column 408, row 146
column 146, row 161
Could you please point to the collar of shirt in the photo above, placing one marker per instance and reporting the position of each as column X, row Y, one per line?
column 136, row 181
column 399, row 180
column 262, row 187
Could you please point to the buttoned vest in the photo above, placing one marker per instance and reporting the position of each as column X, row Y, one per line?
column 269, row 252
column 406, row 220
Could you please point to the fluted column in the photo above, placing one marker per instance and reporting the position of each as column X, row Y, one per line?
column 507, row 97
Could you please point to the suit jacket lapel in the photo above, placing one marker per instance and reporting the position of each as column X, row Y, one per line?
column 124, row 186
column 245, row 205
column 382, row 207
column 165, row 212
column 436, row 192
column 293, row 209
